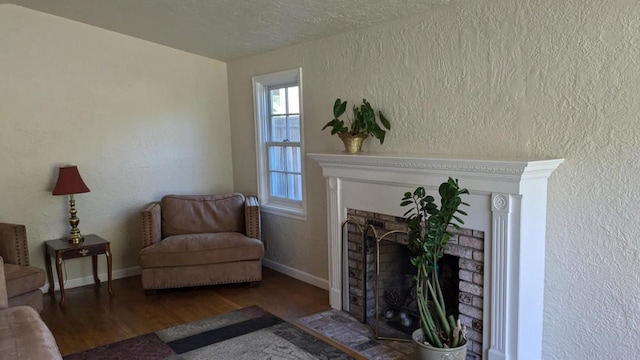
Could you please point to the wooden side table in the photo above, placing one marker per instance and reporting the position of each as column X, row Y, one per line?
column 61, row 249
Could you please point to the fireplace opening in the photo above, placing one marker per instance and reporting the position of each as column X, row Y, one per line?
column 392, row 307
column 387, row 302
column 450, row 282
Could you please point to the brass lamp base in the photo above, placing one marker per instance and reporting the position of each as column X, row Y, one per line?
column 74, row 237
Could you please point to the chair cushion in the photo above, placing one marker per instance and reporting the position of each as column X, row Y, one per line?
column 22, row 279
column 197, row 214
column 200, row 249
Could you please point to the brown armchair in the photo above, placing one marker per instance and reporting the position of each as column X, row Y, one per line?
column 195, row 240
column 23, row 281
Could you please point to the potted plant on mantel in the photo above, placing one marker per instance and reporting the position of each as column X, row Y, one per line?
column 440, row 336
column 362, row 125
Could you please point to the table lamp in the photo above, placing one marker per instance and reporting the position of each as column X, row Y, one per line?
column 69, row 183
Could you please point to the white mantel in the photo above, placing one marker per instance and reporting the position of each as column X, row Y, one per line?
column 508, row 199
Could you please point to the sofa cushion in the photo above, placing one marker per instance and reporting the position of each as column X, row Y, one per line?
column 199, row 249
column 196, row 214
column 23, row 335
column 22, row 279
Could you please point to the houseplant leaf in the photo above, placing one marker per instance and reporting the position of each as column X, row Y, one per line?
column 384, row 121
column 339, row 108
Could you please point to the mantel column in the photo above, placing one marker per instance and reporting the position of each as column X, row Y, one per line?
column 334, row 223
column 499, row 250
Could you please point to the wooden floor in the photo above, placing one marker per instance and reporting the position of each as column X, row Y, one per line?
column 91, row 317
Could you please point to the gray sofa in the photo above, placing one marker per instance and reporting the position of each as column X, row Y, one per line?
column 195, row 240
column 23, row 334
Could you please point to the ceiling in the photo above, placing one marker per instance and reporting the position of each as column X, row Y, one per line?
column 230, row 29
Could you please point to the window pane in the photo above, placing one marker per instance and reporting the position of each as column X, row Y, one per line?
column 278, row 185
column 293, row 159
column 278, row 128
column 278, row 108
column 294, row 127
column 294, row 183
column 294, row 100
column 277, row 101
column 277, row 158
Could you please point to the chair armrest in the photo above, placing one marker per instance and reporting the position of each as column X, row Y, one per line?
column 13, row 244
column 151, row 224
column 252, row 217
column 4, row 300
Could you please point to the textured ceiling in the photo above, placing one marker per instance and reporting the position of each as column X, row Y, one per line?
column 229, row 29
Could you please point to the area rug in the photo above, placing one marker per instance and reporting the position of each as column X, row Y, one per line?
column 344, row 329
column 247, row 334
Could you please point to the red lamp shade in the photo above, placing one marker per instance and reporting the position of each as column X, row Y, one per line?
column 69, row 182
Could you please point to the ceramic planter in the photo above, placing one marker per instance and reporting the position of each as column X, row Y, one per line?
column 423, row 351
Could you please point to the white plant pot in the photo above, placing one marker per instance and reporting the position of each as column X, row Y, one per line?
column 427, row 352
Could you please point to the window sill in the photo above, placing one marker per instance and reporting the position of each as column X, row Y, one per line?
column 296, row 214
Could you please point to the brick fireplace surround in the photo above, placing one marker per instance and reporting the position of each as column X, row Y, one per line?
column 508, row 204
column 466, row 247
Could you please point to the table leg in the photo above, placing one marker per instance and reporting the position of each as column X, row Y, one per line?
column 60, row 277
column 108, row 254
column 47, row 263
column 94, row 264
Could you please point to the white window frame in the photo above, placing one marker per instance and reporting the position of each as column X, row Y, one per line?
column 278, row 206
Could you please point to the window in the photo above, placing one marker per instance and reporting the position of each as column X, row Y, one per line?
column 278, row 115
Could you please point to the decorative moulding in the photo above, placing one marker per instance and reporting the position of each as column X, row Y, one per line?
column 439, row 163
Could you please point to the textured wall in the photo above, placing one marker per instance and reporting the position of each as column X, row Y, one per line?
column 540, row 78
column 139, row 119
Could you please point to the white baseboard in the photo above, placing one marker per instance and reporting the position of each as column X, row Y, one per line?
column 296, row 274
column 136, row 270
column 88, row 280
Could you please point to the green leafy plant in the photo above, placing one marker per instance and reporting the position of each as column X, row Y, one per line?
column 364, row 121
column 428, row 237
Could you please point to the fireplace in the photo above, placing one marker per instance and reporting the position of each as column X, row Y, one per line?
column 508, row 206
column 387, row 302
